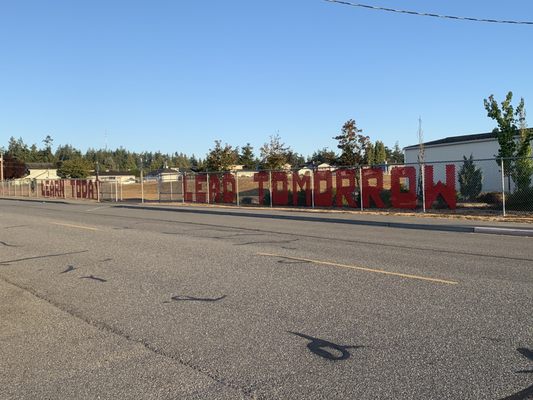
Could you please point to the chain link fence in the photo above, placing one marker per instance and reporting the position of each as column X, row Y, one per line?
column 468, row 186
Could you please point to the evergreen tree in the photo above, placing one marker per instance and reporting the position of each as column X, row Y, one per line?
column 46, row 154
column 323, row 155
column 18, row 149
column 470, row 179
column 66, row 152
column 380, row 155
column 247, row 158
column 76, row 168
column 352, row 144
column 221, row 158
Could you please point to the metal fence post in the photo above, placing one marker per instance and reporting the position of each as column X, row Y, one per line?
column 270, row 187
column 503, row 188
column 423, row 173
column 237, row 187
column 208, row 191
column 142, row 186
column 171, row 190
column 184, row 183
column 361, row 187
column 313, row 188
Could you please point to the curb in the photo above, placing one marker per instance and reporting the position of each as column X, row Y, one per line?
column 503, row 231
column 44, row 200
column 402, row 225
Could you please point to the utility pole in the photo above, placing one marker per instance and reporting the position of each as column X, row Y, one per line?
column 1, row 166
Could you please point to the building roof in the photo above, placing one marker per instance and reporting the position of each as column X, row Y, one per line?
column 116, row 173
column 456, row 139
column 459, row 139
column 162, row 171
column 37, row 165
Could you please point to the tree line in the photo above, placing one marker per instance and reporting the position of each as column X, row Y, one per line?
column 354, row 149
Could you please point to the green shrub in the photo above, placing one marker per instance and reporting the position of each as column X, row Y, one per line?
column 493, row 198
column 521, row 200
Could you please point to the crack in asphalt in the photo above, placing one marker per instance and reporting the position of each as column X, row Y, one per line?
column 7, row 262
column 102, row 326
column 7, row 244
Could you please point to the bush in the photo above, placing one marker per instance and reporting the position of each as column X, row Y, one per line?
column 521, row 200
column 494, row 198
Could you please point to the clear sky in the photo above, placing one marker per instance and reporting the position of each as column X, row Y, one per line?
column 176, row 75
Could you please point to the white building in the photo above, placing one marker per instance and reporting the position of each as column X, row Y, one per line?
column 483, row 146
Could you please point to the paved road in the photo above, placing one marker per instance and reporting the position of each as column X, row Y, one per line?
column 105, row 302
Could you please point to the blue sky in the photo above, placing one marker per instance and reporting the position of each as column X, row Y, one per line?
column 176, row 75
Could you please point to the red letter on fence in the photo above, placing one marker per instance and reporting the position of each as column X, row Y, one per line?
column 345, row 192
column 84, row 189
column 261, row 177
column 90, row 190
column 372, row 192
column 201, row 197
column 447, row 192
column 399, row 199
column 303, row 183
column 229, row 194
column 214, row 189
column 323, row 199
column 280, row 197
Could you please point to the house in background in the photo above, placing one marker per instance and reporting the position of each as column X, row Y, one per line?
column 47, row 171
column 164, row 174
column 124, row 177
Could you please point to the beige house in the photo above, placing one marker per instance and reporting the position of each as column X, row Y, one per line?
column 40, row 171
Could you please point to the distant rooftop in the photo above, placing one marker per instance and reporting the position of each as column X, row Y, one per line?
column 455, row 139
column 115, row 173
column 35, row 165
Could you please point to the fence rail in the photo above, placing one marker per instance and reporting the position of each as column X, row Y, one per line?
column 489, row 185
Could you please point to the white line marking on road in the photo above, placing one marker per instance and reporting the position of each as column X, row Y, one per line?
column 89, row 228
column 97, row 208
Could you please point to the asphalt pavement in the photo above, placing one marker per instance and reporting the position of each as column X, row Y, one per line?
column 98, row 301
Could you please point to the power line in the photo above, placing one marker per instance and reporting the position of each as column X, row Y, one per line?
column 421, row 14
